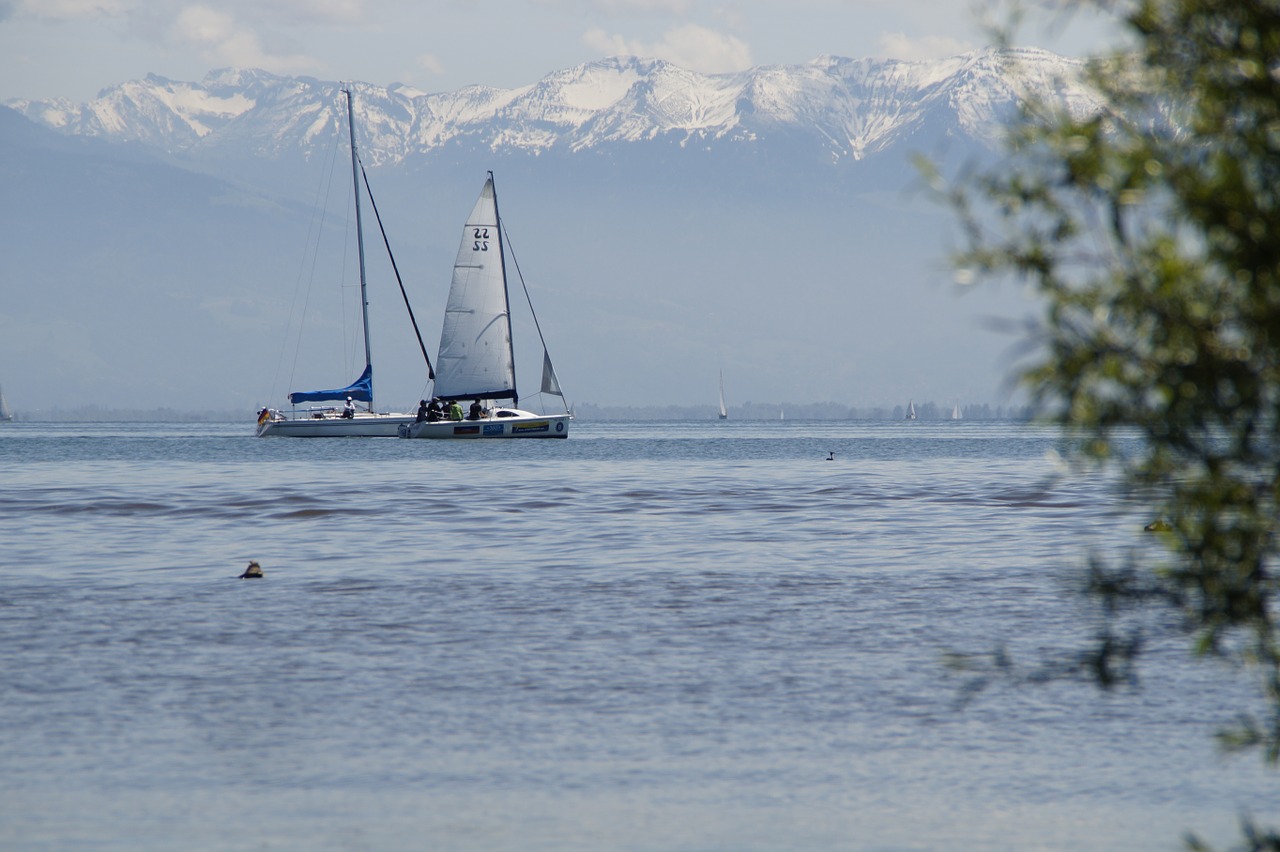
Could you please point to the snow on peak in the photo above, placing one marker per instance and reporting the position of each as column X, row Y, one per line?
column 854, row 106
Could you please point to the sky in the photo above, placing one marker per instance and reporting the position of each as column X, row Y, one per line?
column 74, row 48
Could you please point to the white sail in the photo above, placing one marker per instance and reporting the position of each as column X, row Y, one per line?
column 911, row 410
column 724, row 413
column 550, row 384
column 5, row 413
column 475, row 345
column 476, row 360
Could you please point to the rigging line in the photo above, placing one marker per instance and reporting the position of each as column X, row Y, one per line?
column 431, row 373
column 511, row 250
column 314, row 232
column 346, row 356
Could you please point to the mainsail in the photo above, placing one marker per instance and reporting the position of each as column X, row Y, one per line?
column 361, row 390
column 475, row 360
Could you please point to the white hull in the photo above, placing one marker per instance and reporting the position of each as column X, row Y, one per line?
column 328, row 426
column 516, row 424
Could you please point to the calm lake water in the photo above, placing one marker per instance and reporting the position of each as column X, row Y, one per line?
column 699, row 636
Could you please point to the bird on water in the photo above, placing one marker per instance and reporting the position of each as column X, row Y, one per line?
column 253, row 572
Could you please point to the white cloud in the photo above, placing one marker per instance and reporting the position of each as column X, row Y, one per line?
column 901, row 46
column 304, row 12
column 222, row 40
column 430, row 63
column 202, row 26
column 689, row 46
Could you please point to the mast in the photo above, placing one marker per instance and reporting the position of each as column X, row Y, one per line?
column 506, row 297
column 364, row 293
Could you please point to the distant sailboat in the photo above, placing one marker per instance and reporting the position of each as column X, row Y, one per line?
column 911, row 410
column 955, row 412
column 724, row 414
column 5, row 414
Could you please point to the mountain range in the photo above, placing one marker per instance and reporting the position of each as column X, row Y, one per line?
column 849, row 108
column 769, row 223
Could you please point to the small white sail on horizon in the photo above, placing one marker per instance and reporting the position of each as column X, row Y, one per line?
column 5, row 413
column 911, row 410
column 724, row 413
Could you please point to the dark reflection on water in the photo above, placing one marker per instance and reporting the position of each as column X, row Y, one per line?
column 709, row 638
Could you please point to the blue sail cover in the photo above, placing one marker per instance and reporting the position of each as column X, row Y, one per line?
column 360, row 390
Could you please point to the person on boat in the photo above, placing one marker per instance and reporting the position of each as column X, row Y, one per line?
column 455, row 410
column 476, row 412
column 349, row 411
column 422, row 411
column 434, row 411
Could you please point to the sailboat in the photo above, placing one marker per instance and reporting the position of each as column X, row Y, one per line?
column 911, row 410
column 955, row 412
column 346, row 421
column 724, row 414
column 476, row 357
column 5, row 414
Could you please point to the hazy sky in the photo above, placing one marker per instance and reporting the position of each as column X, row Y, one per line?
column 73, row 48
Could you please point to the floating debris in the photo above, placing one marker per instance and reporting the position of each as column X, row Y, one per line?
column 253, row 572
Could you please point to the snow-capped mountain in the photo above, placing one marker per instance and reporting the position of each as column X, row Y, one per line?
column 671, row 222
column 848, row 108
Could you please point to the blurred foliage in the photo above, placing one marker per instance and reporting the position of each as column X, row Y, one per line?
column 1149, row 223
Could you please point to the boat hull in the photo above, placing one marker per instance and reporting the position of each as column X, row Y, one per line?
column 521, row 424
column 360, row 426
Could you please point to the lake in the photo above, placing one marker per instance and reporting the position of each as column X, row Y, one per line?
column 690, row 636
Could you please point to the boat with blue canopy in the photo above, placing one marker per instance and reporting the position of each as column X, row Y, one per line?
column 347, row 419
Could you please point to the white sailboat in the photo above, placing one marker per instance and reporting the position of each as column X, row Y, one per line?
column 345, row 421
column 476, row 357
column 724, row 413
column 5, row 414
column 911, row 410
column 955, row 412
